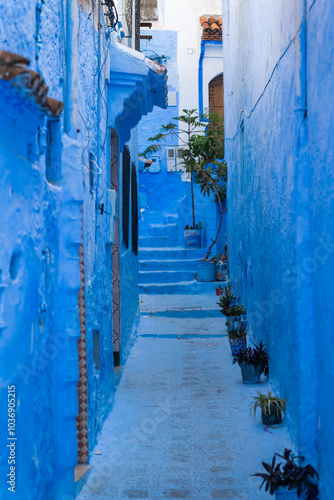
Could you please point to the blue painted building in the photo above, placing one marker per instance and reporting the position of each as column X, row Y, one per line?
column 279, row 148
column 69, row 230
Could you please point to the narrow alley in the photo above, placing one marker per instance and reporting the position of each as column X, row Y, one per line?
column 181, row 425
column 166, row 249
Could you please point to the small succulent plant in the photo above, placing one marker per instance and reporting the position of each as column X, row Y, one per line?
column 269, row 405
column 237, row 333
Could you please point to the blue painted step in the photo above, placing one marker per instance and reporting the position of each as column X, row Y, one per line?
column 146, row 277
column 163, row 230
column 171, row 253
column 181, row 306
column 168, row 265
column 182, row 287
column 160, row 241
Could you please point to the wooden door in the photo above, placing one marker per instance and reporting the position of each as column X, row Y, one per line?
column 216, row 95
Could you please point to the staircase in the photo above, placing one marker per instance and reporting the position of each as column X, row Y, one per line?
column 164, row 267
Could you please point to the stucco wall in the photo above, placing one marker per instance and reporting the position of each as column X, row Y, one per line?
column 280, row 202
column 41, row 232
column 321, row 268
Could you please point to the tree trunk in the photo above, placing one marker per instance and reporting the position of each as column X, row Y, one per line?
column 192, row 195
column 219, row 227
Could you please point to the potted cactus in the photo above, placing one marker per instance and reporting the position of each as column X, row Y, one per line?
column 253, row 361
column 271, row 407
column 289, row 481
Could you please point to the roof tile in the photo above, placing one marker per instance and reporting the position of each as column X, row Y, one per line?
column 14, row 69
column 212, row 28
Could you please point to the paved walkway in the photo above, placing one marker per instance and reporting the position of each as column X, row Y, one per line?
column 180, row 427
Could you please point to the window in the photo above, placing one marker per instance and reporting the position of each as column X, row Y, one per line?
column 134, row 210
column 53, row 152
column 91, row 172
column 126, row 195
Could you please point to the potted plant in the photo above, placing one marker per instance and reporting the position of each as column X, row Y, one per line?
column 289, row 481
column 253, row 361
column 210, row 172
column 226, row 297
column 193, row 236
column 271, row 407
column 238, row 339
column 233, row 313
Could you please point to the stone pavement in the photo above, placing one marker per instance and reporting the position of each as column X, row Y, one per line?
column 180, row 426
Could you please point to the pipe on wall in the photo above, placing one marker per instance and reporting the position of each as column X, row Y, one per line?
column 305, row 319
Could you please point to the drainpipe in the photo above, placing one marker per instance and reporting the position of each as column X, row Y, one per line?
column 305, row 321
column 71, row 59
column 200, row 78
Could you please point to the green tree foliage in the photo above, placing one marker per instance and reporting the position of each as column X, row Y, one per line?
column 202, row 155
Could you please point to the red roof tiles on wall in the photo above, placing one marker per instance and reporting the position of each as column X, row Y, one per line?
column 14, row 69
column 212, row 28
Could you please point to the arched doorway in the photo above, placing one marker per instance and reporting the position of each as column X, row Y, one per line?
column 216, row 95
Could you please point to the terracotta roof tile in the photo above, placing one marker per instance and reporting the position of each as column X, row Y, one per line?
column 14, row 69
column 212, row 28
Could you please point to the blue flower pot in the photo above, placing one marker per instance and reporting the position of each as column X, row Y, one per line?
column 284, row 494
column 206, row 270
column 238, row 345
column 192, row 238
column 251, row 374
column 233, row 322
column 271, row 419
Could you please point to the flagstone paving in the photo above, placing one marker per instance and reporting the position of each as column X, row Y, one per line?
column 180, row 426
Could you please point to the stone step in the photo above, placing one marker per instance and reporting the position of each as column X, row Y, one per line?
column 168, row 265
column 154, row 241
column 147, row 277
column 181, row 306
column 182, row 287
column 170, row 253
column 155, row 326
column 165, row 230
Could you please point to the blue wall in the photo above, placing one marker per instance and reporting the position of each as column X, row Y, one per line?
column 280, row 201
column 48, row 212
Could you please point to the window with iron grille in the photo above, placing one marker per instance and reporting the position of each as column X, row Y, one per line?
column 91, row 172
column 53, row 152
column 126, row 195
column 134, row 210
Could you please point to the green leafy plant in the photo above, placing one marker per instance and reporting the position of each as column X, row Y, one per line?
column 237, row 333
column 226, row 297
column 202, row 156
column 232, row 310
column 268, row 404
column 183, row 127
column 290, row 475
column 256, row 356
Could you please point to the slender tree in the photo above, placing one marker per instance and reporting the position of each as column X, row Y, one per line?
column 202, row 156
column 184, row 128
